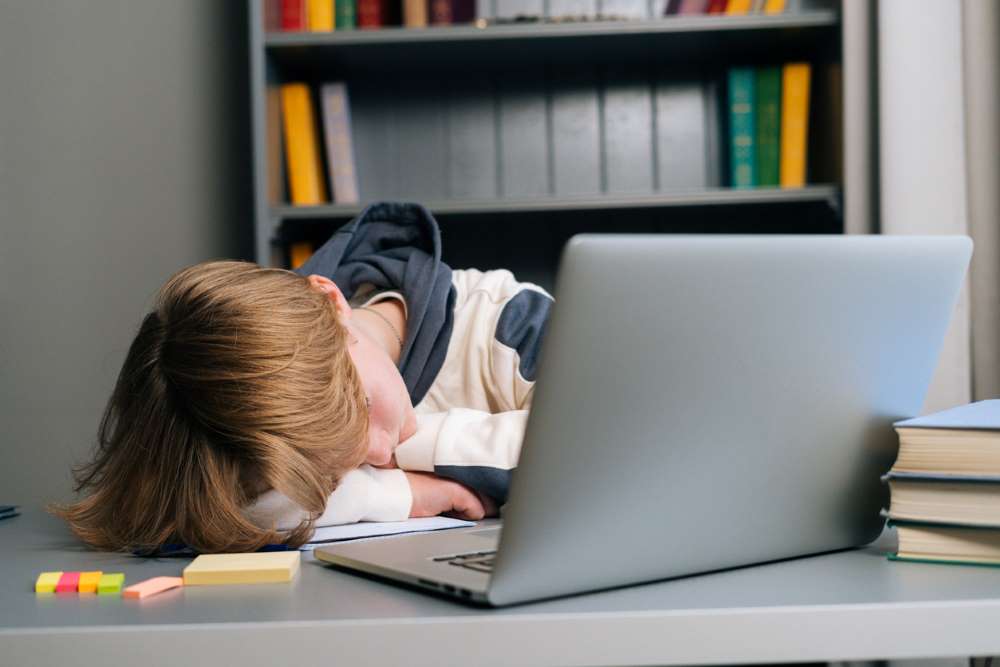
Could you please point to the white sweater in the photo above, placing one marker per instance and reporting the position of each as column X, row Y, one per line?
column 471, row 421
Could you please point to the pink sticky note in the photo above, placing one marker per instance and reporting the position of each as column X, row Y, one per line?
column 68, row 582
column 144, row 589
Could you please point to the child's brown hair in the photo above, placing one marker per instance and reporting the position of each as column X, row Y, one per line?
column 238, row 381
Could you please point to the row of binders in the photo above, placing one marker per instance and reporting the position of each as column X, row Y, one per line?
column 328, row 15
column 945, row 486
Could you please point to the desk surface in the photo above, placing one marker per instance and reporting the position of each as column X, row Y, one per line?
column 851, row 605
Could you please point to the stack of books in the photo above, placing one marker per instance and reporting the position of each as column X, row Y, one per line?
column 945, row 486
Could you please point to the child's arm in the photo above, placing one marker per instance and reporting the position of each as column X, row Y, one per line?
column 475, row 448
column 376, row 494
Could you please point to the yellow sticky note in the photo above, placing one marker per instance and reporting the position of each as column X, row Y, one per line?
column 110, row 584
column 46, row 582
column 89, row 581
column 254, row 568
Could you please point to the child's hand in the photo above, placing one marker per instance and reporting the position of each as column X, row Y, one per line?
column 433, row 495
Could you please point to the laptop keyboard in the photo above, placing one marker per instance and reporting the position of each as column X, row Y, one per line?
column 480, row 561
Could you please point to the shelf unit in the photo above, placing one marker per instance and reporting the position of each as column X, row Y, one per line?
column 407, row 83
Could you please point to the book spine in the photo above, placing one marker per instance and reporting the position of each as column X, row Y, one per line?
column 742, row 156
column 339, row 143
column 735, row 7
column 716, row 7
column 320, row 15
column 371, row 13
column 415, row 13
column 768, row 117
column 440, row 12
column 302, row 156
column 346, row 11
column 293, row 15
column 673, row 7
column 463, row 11
column 774, row 7
column 693, row 6
column 794, row 123
column 300, row 253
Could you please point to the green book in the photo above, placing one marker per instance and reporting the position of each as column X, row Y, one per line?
column 768, row 117
column 347, row 13
column 742, row 153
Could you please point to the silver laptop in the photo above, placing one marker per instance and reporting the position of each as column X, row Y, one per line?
column 703, row 402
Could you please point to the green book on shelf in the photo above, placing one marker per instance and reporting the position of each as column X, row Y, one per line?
column 347, row 12
column 742, row 153
column 768, row 118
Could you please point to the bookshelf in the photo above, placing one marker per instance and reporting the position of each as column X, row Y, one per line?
column 517, row 136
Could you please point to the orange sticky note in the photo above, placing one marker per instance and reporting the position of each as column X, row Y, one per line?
column 144, row 589
column 89, row 581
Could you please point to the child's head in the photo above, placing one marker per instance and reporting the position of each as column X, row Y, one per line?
column 238, row 381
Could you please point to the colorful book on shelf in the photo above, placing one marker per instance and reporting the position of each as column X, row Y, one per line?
column 794, row 123
column 736, row 7
column 299, row 253
column 774, row 6
column 302, row 152
column 452, row 12
column 742, row 130
column 415, row 13
column 672, row 7
column 346, row 13
column 320, row 15
column 293, row 15
column 343, row 174
column 716, row 7
column 693, row 7
column 768, row 125
column 373, row 13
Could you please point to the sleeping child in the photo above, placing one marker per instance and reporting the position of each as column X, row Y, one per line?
column 374, row 383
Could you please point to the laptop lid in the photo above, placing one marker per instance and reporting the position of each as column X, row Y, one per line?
column 708, row 402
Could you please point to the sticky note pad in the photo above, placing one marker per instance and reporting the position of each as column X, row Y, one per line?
column 89, row 581
column 252, row 568
column 110, row 584
column 68, row 582
column 144, row 589
column 46, row 582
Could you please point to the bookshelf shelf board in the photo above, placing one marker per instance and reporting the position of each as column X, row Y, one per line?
column 809, row 35
column 713, row 197
column 461, row 33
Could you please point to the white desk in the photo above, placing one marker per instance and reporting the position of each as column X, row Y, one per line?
column 852, row 605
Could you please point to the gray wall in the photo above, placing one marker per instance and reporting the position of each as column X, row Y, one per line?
column 124, row 155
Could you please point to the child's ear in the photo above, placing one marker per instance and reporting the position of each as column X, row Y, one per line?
column 327, row 286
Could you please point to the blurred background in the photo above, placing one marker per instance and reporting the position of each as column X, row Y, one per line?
column 138, row 137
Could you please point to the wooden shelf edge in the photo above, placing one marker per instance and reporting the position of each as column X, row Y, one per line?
column 438, row 34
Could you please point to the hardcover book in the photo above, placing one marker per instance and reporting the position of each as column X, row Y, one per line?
column 768, row 125
column 742, row 128
column 343, row 175
column 794, row 123
column 302, row 152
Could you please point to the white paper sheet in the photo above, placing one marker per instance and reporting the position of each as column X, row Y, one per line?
column 365, row 529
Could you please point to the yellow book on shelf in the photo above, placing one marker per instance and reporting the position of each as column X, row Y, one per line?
column 320, row 15
column 739, row 7
column 300, row 253
column 302, row 156
column 774, row 7
column 794, row 123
